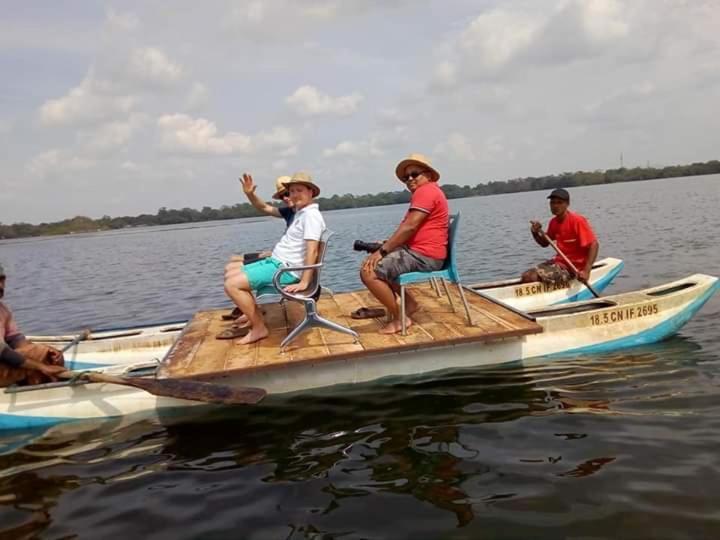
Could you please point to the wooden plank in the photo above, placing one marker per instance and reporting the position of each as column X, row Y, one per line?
column 435, row 324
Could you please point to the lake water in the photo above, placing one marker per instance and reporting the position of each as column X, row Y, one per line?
column 621, row 445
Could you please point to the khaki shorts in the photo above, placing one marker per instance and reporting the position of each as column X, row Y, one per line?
column 553, row 273
column 402, row 261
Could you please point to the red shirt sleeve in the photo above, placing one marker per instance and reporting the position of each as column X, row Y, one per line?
column 424, row 200
column 585, row 234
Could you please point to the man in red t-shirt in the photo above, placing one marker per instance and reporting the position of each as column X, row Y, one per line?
column 419, row 244
column 573, row 236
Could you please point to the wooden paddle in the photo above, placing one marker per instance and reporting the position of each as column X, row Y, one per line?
column 178, row 388
column 174, row 388
column 570, row 265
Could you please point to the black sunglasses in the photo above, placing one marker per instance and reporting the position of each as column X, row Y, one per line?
column 412, row 175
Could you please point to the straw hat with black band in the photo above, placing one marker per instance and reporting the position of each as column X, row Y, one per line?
column 304, row 179
column 419, row 160
column 280, row 187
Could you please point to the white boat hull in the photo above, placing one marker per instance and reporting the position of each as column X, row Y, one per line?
column 613, row 322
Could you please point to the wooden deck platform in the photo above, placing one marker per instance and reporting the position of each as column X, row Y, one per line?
column 197, row 352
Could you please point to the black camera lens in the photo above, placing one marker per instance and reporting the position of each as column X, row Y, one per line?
column 370, row 247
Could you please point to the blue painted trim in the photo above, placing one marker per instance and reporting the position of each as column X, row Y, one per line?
column 76, row 364
column 600, row 285
column 651, row 335
column 21, row 421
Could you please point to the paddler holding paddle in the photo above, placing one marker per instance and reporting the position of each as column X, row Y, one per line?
column 571, row 235
column 20, row 359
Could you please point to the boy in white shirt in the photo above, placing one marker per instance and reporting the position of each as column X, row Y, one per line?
column 299, row 246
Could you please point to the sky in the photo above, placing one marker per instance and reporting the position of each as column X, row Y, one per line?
column 120, row 108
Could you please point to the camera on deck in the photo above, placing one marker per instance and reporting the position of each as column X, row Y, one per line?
column 370, row 247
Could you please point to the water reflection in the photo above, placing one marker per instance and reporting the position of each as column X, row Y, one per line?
column 459, row 444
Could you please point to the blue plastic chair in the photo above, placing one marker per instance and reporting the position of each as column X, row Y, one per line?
column 448, row 272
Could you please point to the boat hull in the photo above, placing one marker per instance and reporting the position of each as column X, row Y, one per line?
column 613, row 322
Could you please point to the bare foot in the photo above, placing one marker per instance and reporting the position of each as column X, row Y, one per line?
column 394, row 327
column 256, row 334
column 411, row 306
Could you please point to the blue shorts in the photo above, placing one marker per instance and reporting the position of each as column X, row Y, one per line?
column 260, row 274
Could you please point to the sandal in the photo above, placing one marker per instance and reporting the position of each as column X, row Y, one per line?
column 368, row 313
column 233, row 332
column 234, row 314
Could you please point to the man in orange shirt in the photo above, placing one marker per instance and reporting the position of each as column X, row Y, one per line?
column 573, row 236
column 419, row 244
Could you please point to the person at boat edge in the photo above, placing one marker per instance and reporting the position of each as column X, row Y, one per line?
column 22, row 361
column 573, row 236
column 419, row 244
column 299, row 246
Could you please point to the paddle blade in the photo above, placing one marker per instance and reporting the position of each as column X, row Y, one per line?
column 198, row 391
column 179, row 388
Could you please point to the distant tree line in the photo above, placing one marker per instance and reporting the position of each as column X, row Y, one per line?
column 164, row 216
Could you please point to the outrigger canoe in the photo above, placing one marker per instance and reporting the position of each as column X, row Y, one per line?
column 439, row 340
column 146, row 344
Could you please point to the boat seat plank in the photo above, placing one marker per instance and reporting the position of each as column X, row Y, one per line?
column 197, row 352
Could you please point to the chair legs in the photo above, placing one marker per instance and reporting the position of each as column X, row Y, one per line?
column 435, row 286
column 449, row 297
column 402, row 310
column 312, row 319
column 467, row 307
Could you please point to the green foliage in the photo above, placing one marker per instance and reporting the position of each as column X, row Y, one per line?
column 82, row 224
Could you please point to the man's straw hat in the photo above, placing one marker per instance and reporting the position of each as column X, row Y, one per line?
column 305, row 179
column 280, row 187
column 421, row 161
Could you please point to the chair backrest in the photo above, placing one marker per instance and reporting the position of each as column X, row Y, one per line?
column 451, row 260
column 322, row 250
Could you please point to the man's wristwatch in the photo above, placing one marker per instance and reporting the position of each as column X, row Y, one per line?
column 383, row 251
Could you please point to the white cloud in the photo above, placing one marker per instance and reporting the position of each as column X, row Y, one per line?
column 56, row 162
column 112, row 135
column 375, row 145
column 505, row 41
column 309, row 101
column 604, row 20
column 459, row 147
column 495, row 38
column 349, row 148
column 151, row 65
column 91, row 101
column 456, row 146
column 107, row 92
column 198, row 135
column 180, row 132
